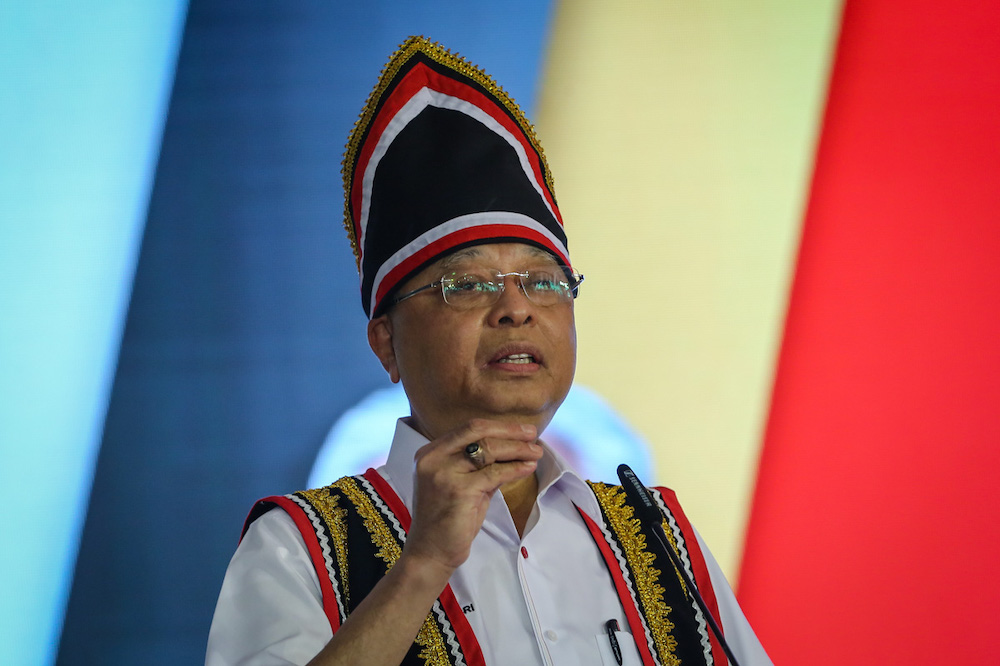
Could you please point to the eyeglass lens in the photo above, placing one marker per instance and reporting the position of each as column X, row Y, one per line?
column 542, row 286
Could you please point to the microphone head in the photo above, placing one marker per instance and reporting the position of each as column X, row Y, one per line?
column 646, row 509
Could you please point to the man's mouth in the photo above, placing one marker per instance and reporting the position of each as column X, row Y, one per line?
column 517, row 359
column 517, row 356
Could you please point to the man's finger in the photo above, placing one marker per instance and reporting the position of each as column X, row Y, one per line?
column 501, row 473
column 476, row 455
column 507, row 450
column 478, row 430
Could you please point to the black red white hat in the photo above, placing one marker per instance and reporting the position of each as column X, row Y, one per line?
column 440, row 159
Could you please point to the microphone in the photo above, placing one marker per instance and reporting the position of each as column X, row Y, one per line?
column 649, row 514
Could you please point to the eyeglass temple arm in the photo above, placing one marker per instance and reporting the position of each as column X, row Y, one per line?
column 403, row 297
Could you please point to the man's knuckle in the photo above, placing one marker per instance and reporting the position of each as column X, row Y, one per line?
column 478, row 424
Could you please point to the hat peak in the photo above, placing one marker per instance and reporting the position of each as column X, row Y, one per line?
column 436, row 52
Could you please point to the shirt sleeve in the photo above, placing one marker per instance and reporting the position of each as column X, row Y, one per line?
column 270, row 609
column 739, row 634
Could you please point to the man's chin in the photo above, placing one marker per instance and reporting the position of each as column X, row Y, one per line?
column 524, row 408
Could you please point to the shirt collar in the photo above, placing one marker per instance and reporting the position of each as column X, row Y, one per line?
column 553, row 471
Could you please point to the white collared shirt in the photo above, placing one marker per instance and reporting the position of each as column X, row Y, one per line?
column 542, row 598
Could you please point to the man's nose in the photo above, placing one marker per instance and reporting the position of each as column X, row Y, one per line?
column 513, row 308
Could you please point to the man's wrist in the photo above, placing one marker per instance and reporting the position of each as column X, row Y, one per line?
column 422, row 571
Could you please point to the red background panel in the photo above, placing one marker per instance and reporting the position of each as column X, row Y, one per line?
column 874, row 535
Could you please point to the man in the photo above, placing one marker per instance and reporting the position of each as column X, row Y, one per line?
column 474, row 544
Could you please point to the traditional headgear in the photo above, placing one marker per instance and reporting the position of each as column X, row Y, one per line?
column 441, row 158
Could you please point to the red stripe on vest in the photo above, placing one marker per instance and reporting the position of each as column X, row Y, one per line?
column 308, row 531
column 390, row 497
column 628, row 603
column 463, row 630
column 701, row 576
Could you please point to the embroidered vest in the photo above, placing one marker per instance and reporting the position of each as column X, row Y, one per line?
column 354, row 530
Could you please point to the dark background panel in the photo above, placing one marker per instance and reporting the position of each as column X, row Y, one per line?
column 245, row 334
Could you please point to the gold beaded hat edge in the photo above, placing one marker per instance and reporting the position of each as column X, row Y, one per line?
column 441, row 158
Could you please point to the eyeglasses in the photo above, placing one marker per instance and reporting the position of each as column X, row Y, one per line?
column 547, row 285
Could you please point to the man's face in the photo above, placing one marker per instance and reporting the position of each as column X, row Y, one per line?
column 461, row 364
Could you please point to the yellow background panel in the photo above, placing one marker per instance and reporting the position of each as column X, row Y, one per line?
column 681, row 136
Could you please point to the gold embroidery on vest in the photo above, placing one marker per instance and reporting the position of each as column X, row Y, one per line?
column 431, row 643
column 429, row 638
column 336, row 518
column 626, row 529
column 387, row 547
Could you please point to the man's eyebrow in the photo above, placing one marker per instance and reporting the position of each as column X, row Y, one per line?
column 540, row 253
column 458, row 257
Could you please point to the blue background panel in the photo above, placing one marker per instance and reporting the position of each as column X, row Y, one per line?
column 244, row 340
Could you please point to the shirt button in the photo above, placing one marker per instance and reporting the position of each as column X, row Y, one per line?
column 551, row 635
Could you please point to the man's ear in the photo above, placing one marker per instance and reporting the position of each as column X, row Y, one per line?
column 380, row 340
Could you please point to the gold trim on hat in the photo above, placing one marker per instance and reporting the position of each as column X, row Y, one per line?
column 453, row 61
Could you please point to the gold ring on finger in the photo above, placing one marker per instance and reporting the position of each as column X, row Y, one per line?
column 476, row 455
